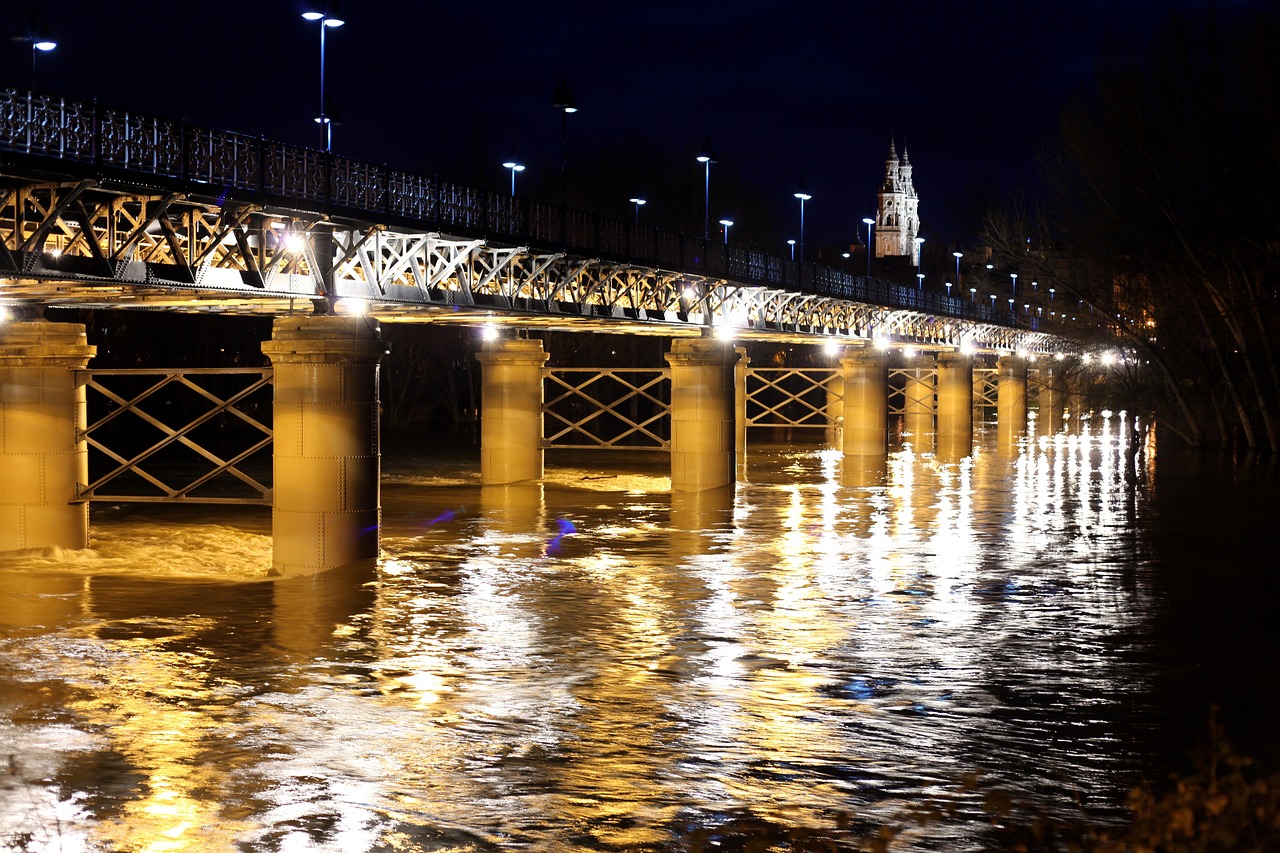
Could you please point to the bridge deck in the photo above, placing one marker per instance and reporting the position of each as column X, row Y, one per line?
column 104, row 207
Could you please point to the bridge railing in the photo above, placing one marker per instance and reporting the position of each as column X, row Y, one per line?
column 228, row 164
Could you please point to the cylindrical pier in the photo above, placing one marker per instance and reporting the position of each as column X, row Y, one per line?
column 43, row 458
column 702, row 414
column 1011, row 399
column 511, row 411
column 326, row 511
column 866, row 403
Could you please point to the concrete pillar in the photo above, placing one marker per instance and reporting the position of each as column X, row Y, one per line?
column 1050, row 403
column 43, row 460
column 835, row 410
column 702, row 414
column 325, row 507
column 955, row 405
column 1011, row 399
column 511, row 410
column 866, row 403
column 917, row 403
column 740, row 403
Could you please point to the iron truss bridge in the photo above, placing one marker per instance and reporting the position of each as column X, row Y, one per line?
column 102, row 207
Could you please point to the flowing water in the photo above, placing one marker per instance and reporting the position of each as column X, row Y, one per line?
column 593, row 664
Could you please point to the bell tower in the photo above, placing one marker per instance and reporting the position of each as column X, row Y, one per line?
column 897, row 210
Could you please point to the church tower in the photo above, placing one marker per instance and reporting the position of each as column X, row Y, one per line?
column 898, row 210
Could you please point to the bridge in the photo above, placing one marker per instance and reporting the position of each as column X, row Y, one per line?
column 105, row 208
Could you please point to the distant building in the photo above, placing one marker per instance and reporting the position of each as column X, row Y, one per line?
column 898, row 212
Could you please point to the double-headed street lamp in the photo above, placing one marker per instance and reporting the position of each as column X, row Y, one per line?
column 514, row 167
column 869, row 222
column 328, row 19
column 638, row 202
column 802, row 193
column 706, row 157
column 727, row 223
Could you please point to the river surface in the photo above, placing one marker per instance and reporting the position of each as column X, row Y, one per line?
column 592, row 664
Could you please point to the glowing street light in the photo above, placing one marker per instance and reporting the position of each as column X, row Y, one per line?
column 958, row 254
column 727, row 223
column 948, row 290
column 920, row 280
column 514, row 167
column 869, row 222
column 792, row 244
column 1013, row 287
column 802, row 193
column 973, row 294
column 328, row 20
column 36, row 34
column 706, row 157
column 919, row 241
column 638, row 202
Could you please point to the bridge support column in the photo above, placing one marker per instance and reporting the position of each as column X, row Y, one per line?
column 740, row 404
column 918, row 404
column 1049, row 404
column 866, row 402
column 835, row 410
column 326, row 508
column 702, row 414
column 1011, row 399
column 955, row 405
column 511, row 410
column 43, row 460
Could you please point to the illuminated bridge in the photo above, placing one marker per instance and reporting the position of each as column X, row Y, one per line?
column 104, row 208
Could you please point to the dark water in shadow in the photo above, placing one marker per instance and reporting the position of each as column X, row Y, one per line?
column 591, row 663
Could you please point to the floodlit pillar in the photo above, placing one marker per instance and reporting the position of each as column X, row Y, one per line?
column 1050, row 404
column 740, row 403
column 835, row 409
column 511, row 410
column 866, row 402
column 43, row 459
column 917, row 403
column 702, row 414
column 325, row 505
column 955, row 405
column 1011, row 399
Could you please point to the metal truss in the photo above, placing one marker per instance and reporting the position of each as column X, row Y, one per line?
column 789, row 397
column 103, row 207
column 986, row 390
column 626, row 408
column 900, row 398
column 170, row 391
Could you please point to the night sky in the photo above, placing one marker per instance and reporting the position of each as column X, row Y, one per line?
column 784, row 90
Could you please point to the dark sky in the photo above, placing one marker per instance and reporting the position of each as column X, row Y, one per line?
column 784, row 90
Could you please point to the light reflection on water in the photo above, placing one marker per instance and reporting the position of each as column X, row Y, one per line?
column 826, row 637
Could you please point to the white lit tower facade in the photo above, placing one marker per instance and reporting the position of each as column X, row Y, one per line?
column 898, row 211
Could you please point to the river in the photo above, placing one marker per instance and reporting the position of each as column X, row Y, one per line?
column 592, row 664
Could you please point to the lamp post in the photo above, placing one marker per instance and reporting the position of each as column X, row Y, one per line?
column 802, row 193
column 41, row 43
column 919, row 244
column 706, row 157
column 973, row 294
column 959, row 254
column 792, row 244
column 514, row 167
column 727, row 223
column 869, row 221
column 563, row 100
column 1013, row 279
column 948, row 290
column 638, row 202
column 993, row 301
column 328, row 19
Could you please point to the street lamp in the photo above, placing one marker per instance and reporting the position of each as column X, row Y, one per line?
column 973, row 294
column 948, row 290
column 869, row 221
column 706, row 157
column 726, row 223
column 328, row 19
column 993, row 300
column 918, row 241
column 802, row 193
column 514, row 167
column 563, row 100
column 637, row 201
column 1013, row 278
column 792, row 244
column 920, row 279
column 39, row 44
column 959, row 254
